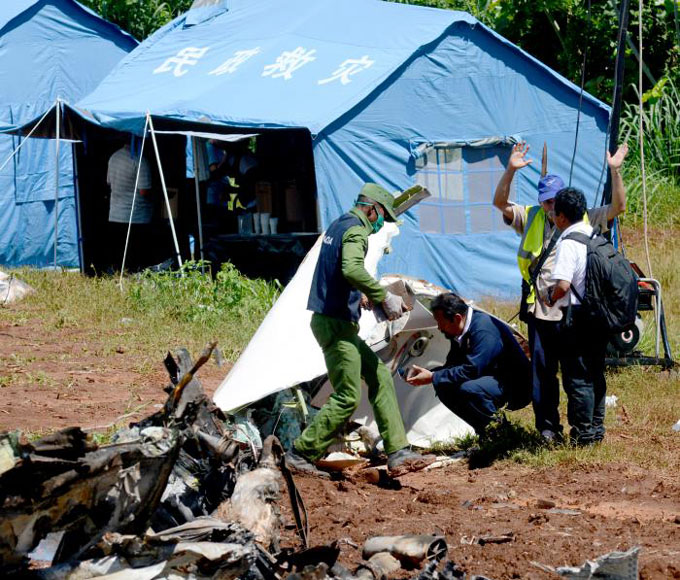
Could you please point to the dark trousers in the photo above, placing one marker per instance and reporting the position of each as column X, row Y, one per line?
column 544, row 344
column 474, row 401
column 583, row 347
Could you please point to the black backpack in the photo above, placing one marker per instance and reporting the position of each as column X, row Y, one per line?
column 611, row 295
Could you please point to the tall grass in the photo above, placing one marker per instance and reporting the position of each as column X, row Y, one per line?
column 661, row 132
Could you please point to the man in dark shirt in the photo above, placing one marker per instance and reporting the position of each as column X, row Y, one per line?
column 485, row 369
column 335, row 298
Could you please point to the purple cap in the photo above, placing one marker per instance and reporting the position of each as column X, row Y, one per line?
column 548, row 187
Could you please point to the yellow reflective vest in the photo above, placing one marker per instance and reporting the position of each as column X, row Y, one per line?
column 531, row 246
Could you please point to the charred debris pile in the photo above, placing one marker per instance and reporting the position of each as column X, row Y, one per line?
column 175, row 495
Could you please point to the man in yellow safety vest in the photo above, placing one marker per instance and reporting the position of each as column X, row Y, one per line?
column 536, row 260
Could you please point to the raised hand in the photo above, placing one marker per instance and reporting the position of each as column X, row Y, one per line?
column 518, row 157
column 616, row 161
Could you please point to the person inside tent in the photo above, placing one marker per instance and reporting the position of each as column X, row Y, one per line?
column 129, row 207
column 536, row 260
column 233, row 171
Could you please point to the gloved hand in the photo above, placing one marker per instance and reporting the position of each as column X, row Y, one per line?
column 394, row 306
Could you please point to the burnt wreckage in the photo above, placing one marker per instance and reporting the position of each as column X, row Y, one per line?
column 175, row 495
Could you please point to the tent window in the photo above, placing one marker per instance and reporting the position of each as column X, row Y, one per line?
column 462, row 180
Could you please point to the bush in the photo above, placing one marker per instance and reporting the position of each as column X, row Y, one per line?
column 191, row 295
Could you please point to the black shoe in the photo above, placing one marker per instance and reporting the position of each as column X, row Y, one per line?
column 298, row 463
column 552, row 438
column 405, row 461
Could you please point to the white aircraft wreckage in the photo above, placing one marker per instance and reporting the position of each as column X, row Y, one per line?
column 283, row 353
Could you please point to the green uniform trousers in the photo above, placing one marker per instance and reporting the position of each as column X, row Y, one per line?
column 348, row 359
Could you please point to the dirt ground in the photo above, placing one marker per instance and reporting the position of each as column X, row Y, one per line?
column 53, row 380
column 58, row 381
column 612, row 508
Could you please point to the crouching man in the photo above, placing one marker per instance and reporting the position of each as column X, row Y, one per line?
column 485, row 369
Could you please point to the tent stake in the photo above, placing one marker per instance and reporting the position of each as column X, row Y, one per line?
column 165, row 192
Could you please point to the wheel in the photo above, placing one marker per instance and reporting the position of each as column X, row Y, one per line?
column 625, row 342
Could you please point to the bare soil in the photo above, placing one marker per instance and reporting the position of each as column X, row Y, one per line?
column 60, row 378
column 608, row 508
column 52, row 379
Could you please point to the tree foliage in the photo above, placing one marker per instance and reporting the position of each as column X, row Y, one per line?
column 557, row 32
column 139, row 17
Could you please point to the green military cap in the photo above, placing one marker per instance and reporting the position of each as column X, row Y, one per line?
column 376, row 193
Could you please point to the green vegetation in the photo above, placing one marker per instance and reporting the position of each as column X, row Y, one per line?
column 661, row 132
column 153, row 312
column 140, row 18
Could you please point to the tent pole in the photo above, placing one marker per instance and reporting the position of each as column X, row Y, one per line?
column 56, row 184
column 165, row 192
column 79, row 217
column 11, row 156
column 624, row 15
column 194, row 146
column 132, row 208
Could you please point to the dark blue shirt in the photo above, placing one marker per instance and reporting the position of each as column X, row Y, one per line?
column 488, row 349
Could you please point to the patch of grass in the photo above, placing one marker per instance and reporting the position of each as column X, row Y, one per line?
column 104, row 437
column 152, row 312
column 40, row 379
column 7, row 380
column 19, row 360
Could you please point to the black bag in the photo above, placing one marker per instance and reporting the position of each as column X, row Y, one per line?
column 524, row 305
column 611, row 296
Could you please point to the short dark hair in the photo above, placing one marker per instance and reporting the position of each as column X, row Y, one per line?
column 571, row 203
column 449, row 304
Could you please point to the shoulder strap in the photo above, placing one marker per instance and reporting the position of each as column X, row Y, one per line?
column 575, row 293
column 579, row 237
column 543, row 257
column 582, row 239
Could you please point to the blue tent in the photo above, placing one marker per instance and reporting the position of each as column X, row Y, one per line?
column 390, row 93
column 49, row 49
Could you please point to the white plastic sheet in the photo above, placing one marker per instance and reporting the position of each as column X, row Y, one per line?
column 283, row 353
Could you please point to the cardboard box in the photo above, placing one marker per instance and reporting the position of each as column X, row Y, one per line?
column 264, row 196
column 295, row 211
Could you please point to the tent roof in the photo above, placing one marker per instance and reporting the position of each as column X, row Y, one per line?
column 11, row 9
column 52, row 49
column 272, row 63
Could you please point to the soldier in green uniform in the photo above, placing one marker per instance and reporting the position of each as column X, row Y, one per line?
column 340, row 280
